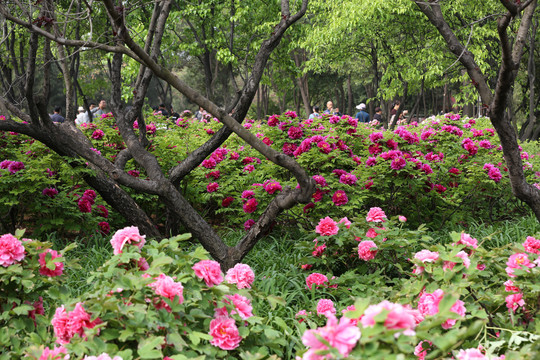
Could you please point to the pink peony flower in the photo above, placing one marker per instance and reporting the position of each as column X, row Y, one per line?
column 422, row 348
column 471, row 354
column 98, row 134
column 248, row 224
column 272, row 186
column 56, row 353
column 465, row 257
column 58, row 266
column 11, row 250
column 103, row 356
column 319, row 250
column 209, row 271
column 375, row 214
column 532, row 245
column 457, row 308
column 402, row 218
column 467, row 240
column 510, row 287
column 514, row 301
column 60, row 325
column 85, row 205
column 367, row 250
column 325, row 307
column 342, row 336
column 398, row 163
column 15, row 166
column 68, row 325
column 165, row 286
column 317, row 279
column 227, row 201
column 295, row 132
column 428, row 304
column 516, row 261
column 128, row 235
column 426, row 256
column 398, row 318
column 242, row 305
column 241, row 275
column 224, row 333
column 340, row 198
column 327, row 227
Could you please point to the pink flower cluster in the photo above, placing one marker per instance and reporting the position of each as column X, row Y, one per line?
column 11, row 250
column 428, row 304
column 224, row 333
column 327, row 227
column 66, row 325
column 166, row 286
column 128, row 235
column 12, row 166
column 56, row 353
column 209, row 271
column 316, row 279
column 58, row 266
column 399, row 317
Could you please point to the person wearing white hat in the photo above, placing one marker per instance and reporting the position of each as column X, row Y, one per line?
column 362, row 115
column 82, row 117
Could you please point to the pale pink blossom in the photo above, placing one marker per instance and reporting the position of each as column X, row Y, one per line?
column 302, row 314
column 241, row 275
column 471, row 354
column 426, row 256
column 457, row 308
column 327, row 227
column 371, row 233
column 465, row 257
column 317, row 279
column 224, row 333
column 402, row 218
column 398, row 318
column 514, row 301
column 103, row 356
column 127, row 235
column 60, row 325
column 367, row 250
column 56, row 353
column 325, row 306
column 66, row 325
column 342, row 336
column 428, row 304
column 209, row 271
column 376, row 214
column 11, row 250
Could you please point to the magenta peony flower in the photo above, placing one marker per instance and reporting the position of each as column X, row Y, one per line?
column 348, row 179
column 127, row 235
column 11, row 250
column 327, row 227
column 317, row 279
column 5, row 164
column 272, row 186
column 342, row 336
column 241, row 275
column 514, row 301
column 376, row 214
column 532, row 245
column 248, row 224
column 98, row 134
column 102, row 211
column 58, row 266
column 90, row 194
column 50, row 192
column 209, row 271
column 250, row 206
column 224, row 333
column 209, row 163
column 398, row 163
column 340, row 198
column 213, row 186
column 247, row 194
column 85, row 205
column 104, row 228
column 242, row 305
column 320, row 180
column 134, row 173
column 365, row 250
column 166, row 287
column 15, row 166
column 226, row 202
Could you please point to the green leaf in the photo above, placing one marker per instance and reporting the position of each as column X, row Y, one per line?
column 147, row 347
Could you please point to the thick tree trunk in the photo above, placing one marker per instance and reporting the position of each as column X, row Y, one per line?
column 531, row 68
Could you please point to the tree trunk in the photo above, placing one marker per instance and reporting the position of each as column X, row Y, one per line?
column 531, row 68
column 350, row 98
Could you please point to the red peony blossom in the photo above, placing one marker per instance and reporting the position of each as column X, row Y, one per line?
column 227, row 201
column 250, row 206
column 104, row 228
column 340, row 198
column 58, row 266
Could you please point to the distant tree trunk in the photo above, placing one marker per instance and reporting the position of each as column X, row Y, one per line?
column 303, row 86
column 259, row 103
column 350, row 98
column 531, row 68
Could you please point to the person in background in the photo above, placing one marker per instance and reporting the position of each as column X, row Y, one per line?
column 100, row 110
column 163, row 110
column 57, row 117
column 393, row 113
column 174, row 115
column 200, row 114
column 330, row 108
column 82, row 117
column 315, row 113
column 378, row 115
column 362, row 115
